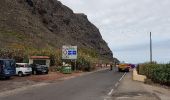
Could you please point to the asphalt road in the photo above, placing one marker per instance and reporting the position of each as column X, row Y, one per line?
column 93, row 86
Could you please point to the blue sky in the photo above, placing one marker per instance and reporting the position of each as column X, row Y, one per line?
column 125, row 26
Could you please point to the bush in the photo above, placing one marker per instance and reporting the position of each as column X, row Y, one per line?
column 21, row 54
column 17, row 54
column 55, row 68
column 159, row 73
column 83, row 64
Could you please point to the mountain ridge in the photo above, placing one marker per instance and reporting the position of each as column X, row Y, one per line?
column 48, row 24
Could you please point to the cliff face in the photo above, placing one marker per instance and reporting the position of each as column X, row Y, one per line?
column 47, row 23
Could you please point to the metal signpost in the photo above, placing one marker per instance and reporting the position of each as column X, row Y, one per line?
column 69, row 53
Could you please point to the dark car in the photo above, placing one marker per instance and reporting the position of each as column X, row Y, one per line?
column 39, row 69
column 7, row 68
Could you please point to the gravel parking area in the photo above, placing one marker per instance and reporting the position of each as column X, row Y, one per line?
column 18, row 82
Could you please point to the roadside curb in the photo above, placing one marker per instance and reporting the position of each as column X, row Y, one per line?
column 137, row 77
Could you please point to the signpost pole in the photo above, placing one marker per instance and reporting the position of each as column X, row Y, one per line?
column 75, row 65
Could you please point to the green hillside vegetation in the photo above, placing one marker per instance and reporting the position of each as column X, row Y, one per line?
column 86, row 57
column 48, row 25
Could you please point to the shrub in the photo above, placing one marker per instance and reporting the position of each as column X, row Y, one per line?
column 159, row 73
column 86, row 57
column 83, row 64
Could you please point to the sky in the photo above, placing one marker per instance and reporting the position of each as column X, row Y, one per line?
column 125, row 25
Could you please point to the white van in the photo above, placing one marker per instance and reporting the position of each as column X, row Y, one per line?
column 23, row 69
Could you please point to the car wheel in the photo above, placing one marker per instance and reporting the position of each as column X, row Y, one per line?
column 20, row 74
column 34, row 72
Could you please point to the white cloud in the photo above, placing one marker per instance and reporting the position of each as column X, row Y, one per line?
column 127, row 23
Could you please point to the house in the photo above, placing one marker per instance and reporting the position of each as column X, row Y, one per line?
column 42, row 60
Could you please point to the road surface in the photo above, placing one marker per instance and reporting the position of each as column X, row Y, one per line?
column 93, row 86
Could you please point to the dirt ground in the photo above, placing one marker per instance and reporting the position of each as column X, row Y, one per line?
column 18, row 82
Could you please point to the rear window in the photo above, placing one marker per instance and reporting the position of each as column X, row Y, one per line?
column 7, row 63
column 25, row 65
column 19, row 65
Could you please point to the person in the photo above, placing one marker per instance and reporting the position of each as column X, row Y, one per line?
column 111, row 67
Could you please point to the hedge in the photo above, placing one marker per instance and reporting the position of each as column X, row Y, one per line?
column 158, row 73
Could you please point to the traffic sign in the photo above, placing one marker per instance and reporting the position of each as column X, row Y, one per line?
column 69, row 52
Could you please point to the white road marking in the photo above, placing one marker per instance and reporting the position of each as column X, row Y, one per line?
column 109, row 94
column 122, row 77
column 116, row 84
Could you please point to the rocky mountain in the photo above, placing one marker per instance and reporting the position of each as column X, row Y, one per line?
column 47, row 24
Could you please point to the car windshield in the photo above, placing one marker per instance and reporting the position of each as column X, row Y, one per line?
column 39, row 66
column 9, row 64
column 12, row 63
column 27, row 65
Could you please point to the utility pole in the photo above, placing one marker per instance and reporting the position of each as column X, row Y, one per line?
column 150, row 47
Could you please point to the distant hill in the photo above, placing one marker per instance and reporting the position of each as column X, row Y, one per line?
column 47, row 24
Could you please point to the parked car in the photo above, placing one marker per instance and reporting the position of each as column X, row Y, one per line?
column 23, row 69
column 7, row 68
column 39, row 69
